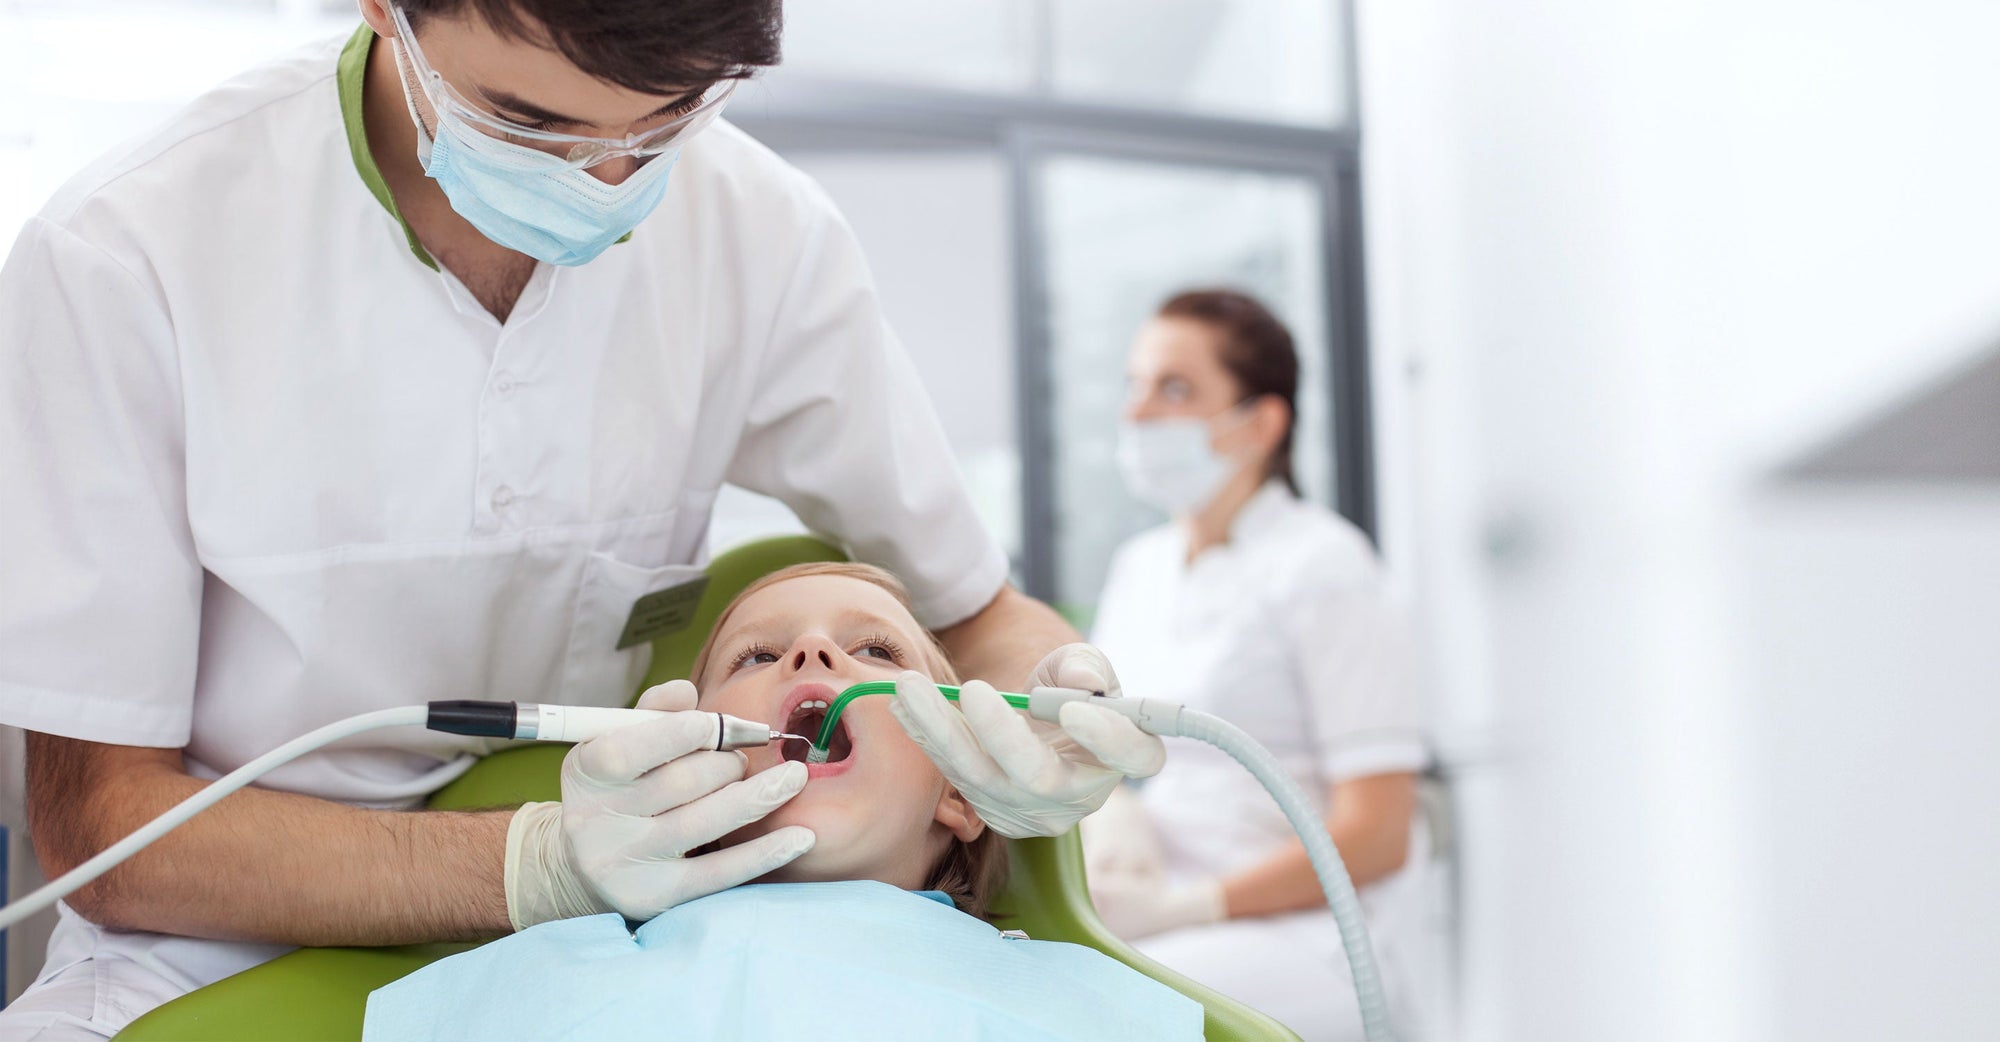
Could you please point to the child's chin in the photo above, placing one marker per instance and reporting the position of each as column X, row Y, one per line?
column 810, row 867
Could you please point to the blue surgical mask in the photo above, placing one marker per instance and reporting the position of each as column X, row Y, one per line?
column 529, row 201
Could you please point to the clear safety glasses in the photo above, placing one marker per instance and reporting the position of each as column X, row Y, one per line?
column 572, row 150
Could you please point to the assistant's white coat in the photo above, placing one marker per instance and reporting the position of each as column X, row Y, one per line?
column 1286, row 632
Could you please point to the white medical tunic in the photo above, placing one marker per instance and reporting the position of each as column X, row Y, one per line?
column 1285, row 631
column 266, row 467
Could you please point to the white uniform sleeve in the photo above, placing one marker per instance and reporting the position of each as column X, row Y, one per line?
column 100, row 592
column 841, row 430
column 1359, row 666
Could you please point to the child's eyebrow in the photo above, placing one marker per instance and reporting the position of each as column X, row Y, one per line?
column 775, row 627
column 760, row 627
column 863, row 617
column 906, row 630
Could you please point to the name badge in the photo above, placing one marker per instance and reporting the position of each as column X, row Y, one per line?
column 662, row 612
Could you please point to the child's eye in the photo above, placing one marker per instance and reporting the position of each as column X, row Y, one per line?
column 881, row 648
column 757, row 655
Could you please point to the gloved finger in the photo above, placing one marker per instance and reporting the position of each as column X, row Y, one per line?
column 672, row 696
column 729, row 808
column 1078, row 666
column 628, row 752
column 733, row 866
column 1116, row 741
column 678, row 783
column 942, row 733
column 1005, row 735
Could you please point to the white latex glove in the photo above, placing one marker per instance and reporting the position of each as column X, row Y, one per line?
column 1136, row 906
column 1025, row 777
column 635, row 801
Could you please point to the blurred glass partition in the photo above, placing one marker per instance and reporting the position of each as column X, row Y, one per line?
column 1119, row 236
column 977, row 45
column 1268, row 60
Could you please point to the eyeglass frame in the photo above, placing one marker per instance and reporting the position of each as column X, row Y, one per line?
column 584, row 151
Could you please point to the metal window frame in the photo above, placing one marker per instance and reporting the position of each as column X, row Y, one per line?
column 809, row 113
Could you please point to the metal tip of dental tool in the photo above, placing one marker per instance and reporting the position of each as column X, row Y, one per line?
column 779, row 736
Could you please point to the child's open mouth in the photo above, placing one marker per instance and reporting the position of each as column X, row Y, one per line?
column 807, row 718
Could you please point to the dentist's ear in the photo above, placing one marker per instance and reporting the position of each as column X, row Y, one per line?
column 376, row 14
column 955, row 813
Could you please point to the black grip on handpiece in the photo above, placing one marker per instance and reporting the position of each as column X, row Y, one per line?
column 468, row 717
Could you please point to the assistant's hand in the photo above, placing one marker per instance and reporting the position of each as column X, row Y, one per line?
column 1119, row 839
column 1025, row 777
column 635, row 801
column 1136, row 906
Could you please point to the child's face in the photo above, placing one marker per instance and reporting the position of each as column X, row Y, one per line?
column 882, row 811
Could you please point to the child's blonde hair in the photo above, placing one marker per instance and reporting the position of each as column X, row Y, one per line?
column 972, row 873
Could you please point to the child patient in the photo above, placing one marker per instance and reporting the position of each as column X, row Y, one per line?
column 874, row 933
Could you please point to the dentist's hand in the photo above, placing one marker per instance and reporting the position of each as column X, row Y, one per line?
column 1025, row 777
column 635, row 801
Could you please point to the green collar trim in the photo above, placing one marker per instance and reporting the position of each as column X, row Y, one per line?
column 350, row 73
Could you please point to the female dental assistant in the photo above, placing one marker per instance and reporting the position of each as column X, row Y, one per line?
column 1267, row 610
column 408, row 368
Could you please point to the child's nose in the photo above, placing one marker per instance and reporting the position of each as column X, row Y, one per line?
column 799, row 659
column 813, row 649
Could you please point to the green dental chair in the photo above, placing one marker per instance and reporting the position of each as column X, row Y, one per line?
column 321, row 993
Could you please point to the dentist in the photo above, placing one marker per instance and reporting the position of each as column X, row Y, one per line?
column 408, row 368
column 1265, row 609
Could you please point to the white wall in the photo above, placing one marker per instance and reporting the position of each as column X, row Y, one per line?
column 79, row 76
column 1625, row 258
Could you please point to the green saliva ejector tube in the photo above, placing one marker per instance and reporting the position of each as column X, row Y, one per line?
column 816, row 751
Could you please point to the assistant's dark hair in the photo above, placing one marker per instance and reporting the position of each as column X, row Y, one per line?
column 1257, row 350
column 651, row 46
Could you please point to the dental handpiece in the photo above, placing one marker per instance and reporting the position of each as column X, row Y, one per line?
column 543, row 722
column 540, row 721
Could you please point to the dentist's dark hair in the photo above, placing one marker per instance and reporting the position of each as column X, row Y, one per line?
column 651, row 46
column 1257, row 350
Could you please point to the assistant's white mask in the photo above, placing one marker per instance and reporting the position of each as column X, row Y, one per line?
column 1169, row 464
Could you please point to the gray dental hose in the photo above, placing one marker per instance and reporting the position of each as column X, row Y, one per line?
column 549, row 723
column 1171, row 720
column 579, row 723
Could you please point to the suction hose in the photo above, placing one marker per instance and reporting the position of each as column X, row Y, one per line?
column 75, row 879
column 1173, row 720
column 548, row 723
column 1155, row 717
column 1326, row 861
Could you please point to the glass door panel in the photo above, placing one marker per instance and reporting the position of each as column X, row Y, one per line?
column 1120, row 236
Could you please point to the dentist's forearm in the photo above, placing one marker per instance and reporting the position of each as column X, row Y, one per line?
column 262, row 865
column 1006, row 640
